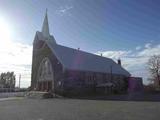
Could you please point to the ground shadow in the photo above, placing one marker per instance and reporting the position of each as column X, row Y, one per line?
column 152, row 97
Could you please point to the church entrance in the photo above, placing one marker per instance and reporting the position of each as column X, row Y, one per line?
column 45, row 86
column 45, row 76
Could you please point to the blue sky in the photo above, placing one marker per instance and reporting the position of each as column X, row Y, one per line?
column 129, row 29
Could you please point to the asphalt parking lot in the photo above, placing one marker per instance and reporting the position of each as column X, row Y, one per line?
column 75, row 109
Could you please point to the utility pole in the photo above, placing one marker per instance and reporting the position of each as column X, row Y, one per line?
column 111, row 79
column 19, row 80
column 111, row 71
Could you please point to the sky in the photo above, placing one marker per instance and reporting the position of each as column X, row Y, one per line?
column 125, row 29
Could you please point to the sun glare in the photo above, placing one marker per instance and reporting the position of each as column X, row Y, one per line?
column 5, row 32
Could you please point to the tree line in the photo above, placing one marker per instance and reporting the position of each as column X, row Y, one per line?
column 7, row 80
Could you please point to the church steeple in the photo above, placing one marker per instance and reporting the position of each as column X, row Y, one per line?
column 45, row 27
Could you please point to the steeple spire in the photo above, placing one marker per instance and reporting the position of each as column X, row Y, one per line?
column 45, row 27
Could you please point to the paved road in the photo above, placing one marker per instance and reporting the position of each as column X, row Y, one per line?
column 11, row 94
column 72, row 109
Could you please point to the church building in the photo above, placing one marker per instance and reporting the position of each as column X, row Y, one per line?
column 63, row 70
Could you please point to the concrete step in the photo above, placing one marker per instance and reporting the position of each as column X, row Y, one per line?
column 35, row 94
column 41, row 95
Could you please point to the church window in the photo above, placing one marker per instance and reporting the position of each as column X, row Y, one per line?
column 45, row 70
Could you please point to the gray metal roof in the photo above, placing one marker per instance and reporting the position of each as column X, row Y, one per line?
column 75, row 59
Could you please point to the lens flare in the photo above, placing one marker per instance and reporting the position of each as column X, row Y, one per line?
column 5, row 32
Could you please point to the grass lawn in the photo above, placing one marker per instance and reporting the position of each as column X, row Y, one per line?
column 74, row 109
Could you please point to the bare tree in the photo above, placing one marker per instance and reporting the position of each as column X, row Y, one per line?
column 154, row 69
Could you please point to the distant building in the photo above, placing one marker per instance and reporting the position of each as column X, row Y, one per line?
column 65, row 70
column 135, row 84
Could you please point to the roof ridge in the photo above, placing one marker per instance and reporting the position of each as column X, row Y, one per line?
column 85, row 52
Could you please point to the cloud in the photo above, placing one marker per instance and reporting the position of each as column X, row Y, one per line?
column 64, row 10
column 16, row 57
column 135, row 61
column 148, row 45
column 114, row 54
column 138, row 47
column 148, row 51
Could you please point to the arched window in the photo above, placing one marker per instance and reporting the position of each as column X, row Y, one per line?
column 45, row 71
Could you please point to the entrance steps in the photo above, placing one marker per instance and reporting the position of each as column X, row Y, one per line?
column 41, row 95
column 35, row 94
